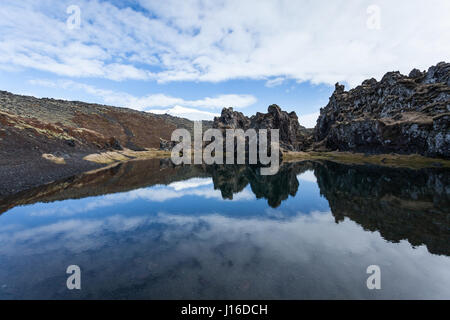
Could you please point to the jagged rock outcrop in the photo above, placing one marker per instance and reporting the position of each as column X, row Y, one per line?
column 293, row 136
column 401, row 114
column 230, row 119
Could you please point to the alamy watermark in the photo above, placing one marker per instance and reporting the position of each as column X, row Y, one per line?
column 74, row 20
column 374, row 17
column 74, row 280
column 235, row 147
column 374, row 280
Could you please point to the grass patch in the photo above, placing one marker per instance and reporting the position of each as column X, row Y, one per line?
column 413, row 161
column 126, row 155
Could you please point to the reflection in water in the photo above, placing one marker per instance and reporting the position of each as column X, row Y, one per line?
column 148, row 229
column 399, row 203
column 231, row 179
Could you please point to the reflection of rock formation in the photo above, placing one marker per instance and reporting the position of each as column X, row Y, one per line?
column 140, row 174
column 122, row 177
column 232, row 179
column 399, row 203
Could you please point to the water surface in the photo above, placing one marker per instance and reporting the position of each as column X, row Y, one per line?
column 150, row 230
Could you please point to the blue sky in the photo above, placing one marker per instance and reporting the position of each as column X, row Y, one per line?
column 191, row 58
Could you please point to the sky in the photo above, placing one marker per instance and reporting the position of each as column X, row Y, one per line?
column 191, row 58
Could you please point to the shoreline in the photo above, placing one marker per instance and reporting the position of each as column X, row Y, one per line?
column 18, row 177
column 24, row 171
column 410, row 161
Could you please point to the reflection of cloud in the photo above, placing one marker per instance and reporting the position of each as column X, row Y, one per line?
column 192, row 187
column 191, row 183
column 167, row 193
column 315, row 228
column 74, row 233
column 308, row 256
column 245, row 194
column 307, row 176
column 199, row 187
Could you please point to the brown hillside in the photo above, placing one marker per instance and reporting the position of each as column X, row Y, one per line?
column 132, row 129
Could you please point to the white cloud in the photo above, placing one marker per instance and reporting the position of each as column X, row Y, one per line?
column 225, row 100
column 308, row 120
column 275, row 82
column 154, row 102
column 317, row 41
column 189, row 113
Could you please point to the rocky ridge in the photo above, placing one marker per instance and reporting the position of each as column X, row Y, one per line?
column 84, row 124
column 33, row 130
column 398, row 114
column 293, row 136
column 401, row 114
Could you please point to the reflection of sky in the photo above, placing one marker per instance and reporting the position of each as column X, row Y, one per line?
column 193, row 196
column 184, row 241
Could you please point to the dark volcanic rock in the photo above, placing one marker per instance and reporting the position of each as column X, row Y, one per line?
column 166, row 145
column 402, row 114
column 293, row 136
column 71, row 143
column 115, row 144
column 230, row 119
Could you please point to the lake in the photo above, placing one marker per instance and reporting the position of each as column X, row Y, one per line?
column 152, row 230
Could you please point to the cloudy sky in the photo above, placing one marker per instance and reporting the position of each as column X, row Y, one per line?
column 191, row 57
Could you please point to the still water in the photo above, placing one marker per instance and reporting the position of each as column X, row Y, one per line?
column 150, row 230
